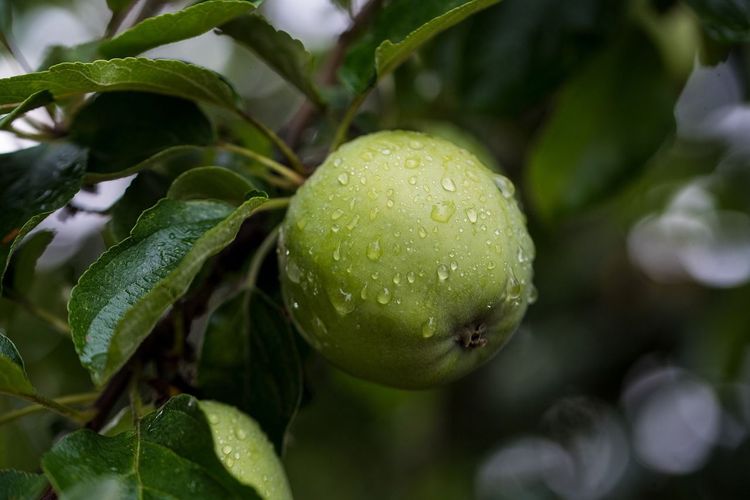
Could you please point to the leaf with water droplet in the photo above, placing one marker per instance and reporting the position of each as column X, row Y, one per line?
column 171, row 451
column 33, row 183
column 249, row 359
column 123, row 294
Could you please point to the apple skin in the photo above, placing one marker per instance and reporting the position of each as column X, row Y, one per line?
column 245, row 451
column 405, row 261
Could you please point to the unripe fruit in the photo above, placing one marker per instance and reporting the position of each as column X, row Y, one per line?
column 245, row 451
column 405, row 261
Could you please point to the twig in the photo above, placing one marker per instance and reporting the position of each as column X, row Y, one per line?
column 260, row 255
column 136, row 405
column 150, row 8
column 72, row 399
column 343, row 129
column 307, row 111
column 108, row 397
column 117, row 18
column 282, row 146
column 29, row 135
column 15, row 53
column 277, row 167
column 51, row 319
column 55, row 406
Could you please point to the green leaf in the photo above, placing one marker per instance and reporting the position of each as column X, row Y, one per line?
column 609, row 120
column 13, row 378
column 217, row 183
column 118, row 5
column 399, row 30
column 161, row 76
column 538, row 45
column 142, row 193
column 6, row 17
column 249, row 360
column 122, row 129
column 16, row 485
column 725, row 20
column 174, row 153
column 34, row 182
column 22, row 265
column 84, row 52
column 170, row 454
column 41, row 98
column 173, row 27
column 119, row 299
column 286, row 55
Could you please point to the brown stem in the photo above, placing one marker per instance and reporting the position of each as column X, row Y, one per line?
column 109, row 397
column 117, row 18
column 298, row 124
column 150, row 8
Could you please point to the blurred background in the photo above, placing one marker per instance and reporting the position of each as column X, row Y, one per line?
column 625, row 127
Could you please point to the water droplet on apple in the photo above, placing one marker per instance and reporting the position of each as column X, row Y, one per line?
column 504, row 185
column 374, row 251
column 384, row 296
column 443, row 211
column 429, row 327
column 442, row 272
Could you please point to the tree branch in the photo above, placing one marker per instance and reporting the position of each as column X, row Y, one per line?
column 299, row 123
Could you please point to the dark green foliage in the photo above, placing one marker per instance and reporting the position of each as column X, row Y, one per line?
column 632, row 172
column 122, row 129
column 249, row 360
column 33, row 183
column 175, row 438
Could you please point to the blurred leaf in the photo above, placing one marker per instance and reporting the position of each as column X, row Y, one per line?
column 217, row 183
column 463, row 139
column 145, row 190
column 56, row 54
column 6, row 17
column 103, row 488
column 249, row 360
column 34, row 182
column 161, row 76
column 173, row 27
column 170, row 454
column 119, row 299
column 725, row 20
column 122, row 129
column 174, row 153
column 118, row 5
column 22, row 265
column 608, row 121
column 16, row 485
column 34, row 101
column 399, row 30
column 343, row 4
column 286, row 55
column 538, row 44
column 13, row 378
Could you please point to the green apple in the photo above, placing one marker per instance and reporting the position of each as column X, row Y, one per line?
column 405, row 261
column 245, row 451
